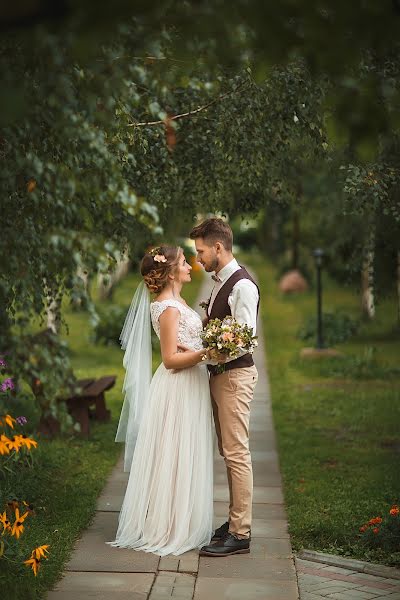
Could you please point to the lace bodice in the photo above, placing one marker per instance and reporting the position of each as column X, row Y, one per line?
column 190, row 325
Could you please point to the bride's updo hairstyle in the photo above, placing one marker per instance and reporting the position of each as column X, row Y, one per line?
column 157, row 264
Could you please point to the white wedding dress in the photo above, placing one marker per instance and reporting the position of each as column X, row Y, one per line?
column 168, row 504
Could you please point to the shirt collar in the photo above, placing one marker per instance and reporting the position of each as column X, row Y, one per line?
column 228, row 270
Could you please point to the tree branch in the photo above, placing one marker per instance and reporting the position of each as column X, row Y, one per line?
column 147, row 59
column 192, row 112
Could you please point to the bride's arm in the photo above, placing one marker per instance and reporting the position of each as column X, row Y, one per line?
column 172, row 359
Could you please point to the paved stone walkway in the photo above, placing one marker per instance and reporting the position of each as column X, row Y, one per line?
column 321, row 582
column 99, row 571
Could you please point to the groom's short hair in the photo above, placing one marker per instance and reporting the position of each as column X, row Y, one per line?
column 214, row 230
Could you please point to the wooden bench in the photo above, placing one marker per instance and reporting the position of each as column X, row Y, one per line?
column 91, row 394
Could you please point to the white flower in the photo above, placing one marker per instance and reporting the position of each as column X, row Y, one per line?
column 295, row 118
column 160, row 258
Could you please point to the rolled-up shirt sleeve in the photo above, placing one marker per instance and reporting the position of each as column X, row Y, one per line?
column 243, row 302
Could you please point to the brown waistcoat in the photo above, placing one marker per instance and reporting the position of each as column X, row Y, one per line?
column 221, row 309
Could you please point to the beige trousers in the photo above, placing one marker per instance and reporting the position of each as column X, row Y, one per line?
column 231, row 394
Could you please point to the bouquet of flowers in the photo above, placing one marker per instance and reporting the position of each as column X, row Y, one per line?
column 228, row 337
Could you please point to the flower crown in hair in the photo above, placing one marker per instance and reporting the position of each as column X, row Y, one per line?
column 157, row 256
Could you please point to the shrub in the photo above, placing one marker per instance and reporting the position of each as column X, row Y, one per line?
column 383, row 532
column 109, row 325
column 337, row 327
column 39, row 363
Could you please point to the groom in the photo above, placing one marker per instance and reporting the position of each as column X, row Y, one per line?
column 234, row 293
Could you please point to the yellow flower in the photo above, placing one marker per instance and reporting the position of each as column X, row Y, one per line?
column 5, row 522
column 40, row 552
column 14, row 444
column 18, row 526
column 9, row 420
column 34, row 563
column 37, row 554
column 4, row 441
column 25, row 441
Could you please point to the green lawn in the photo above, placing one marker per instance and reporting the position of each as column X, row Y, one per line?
column 69, row 473
column 337, row 420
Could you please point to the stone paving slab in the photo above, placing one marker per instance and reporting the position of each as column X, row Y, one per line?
column 267, row 478
column 264, row 455
column 173, row 585
column 225, row 588
column 262, row 443
column 261, row 495
column 103, row 586
column 184, row 563
column 318, row 581
column 267, row 548
column 231, row 567
column 91, row 553
column 264, row 528
column 269, row 468
column 262, row 440
column 271, row 512
column 111, row 502
column 258, row 426
column 260, row 468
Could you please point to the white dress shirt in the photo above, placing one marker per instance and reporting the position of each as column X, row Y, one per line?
column 242, row 300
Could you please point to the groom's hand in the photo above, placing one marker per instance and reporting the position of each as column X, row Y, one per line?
column 218, row 357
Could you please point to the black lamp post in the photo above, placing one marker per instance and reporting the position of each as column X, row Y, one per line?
column 318, row 255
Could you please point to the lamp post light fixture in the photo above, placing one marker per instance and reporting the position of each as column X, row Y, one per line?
column 318, row 256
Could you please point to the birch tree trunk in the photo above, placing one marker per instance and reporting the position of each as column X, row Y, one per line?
column 83, row 275
column 367, row 280
column 53, row 315
column 106, row 283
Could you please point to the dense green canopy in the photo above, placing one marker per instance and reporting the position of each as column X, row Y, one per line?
column 116, row 121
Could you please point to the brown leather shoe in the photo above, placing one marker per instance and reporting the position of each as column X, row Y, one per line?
column 228, row 545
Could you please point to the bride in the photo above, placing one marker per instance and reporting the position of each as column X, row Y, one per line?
column 166, row 421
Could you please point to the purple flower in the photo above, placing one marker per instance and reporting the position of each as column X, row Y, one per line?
column 21, row 420
column 7, row 384
column 2, row 362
